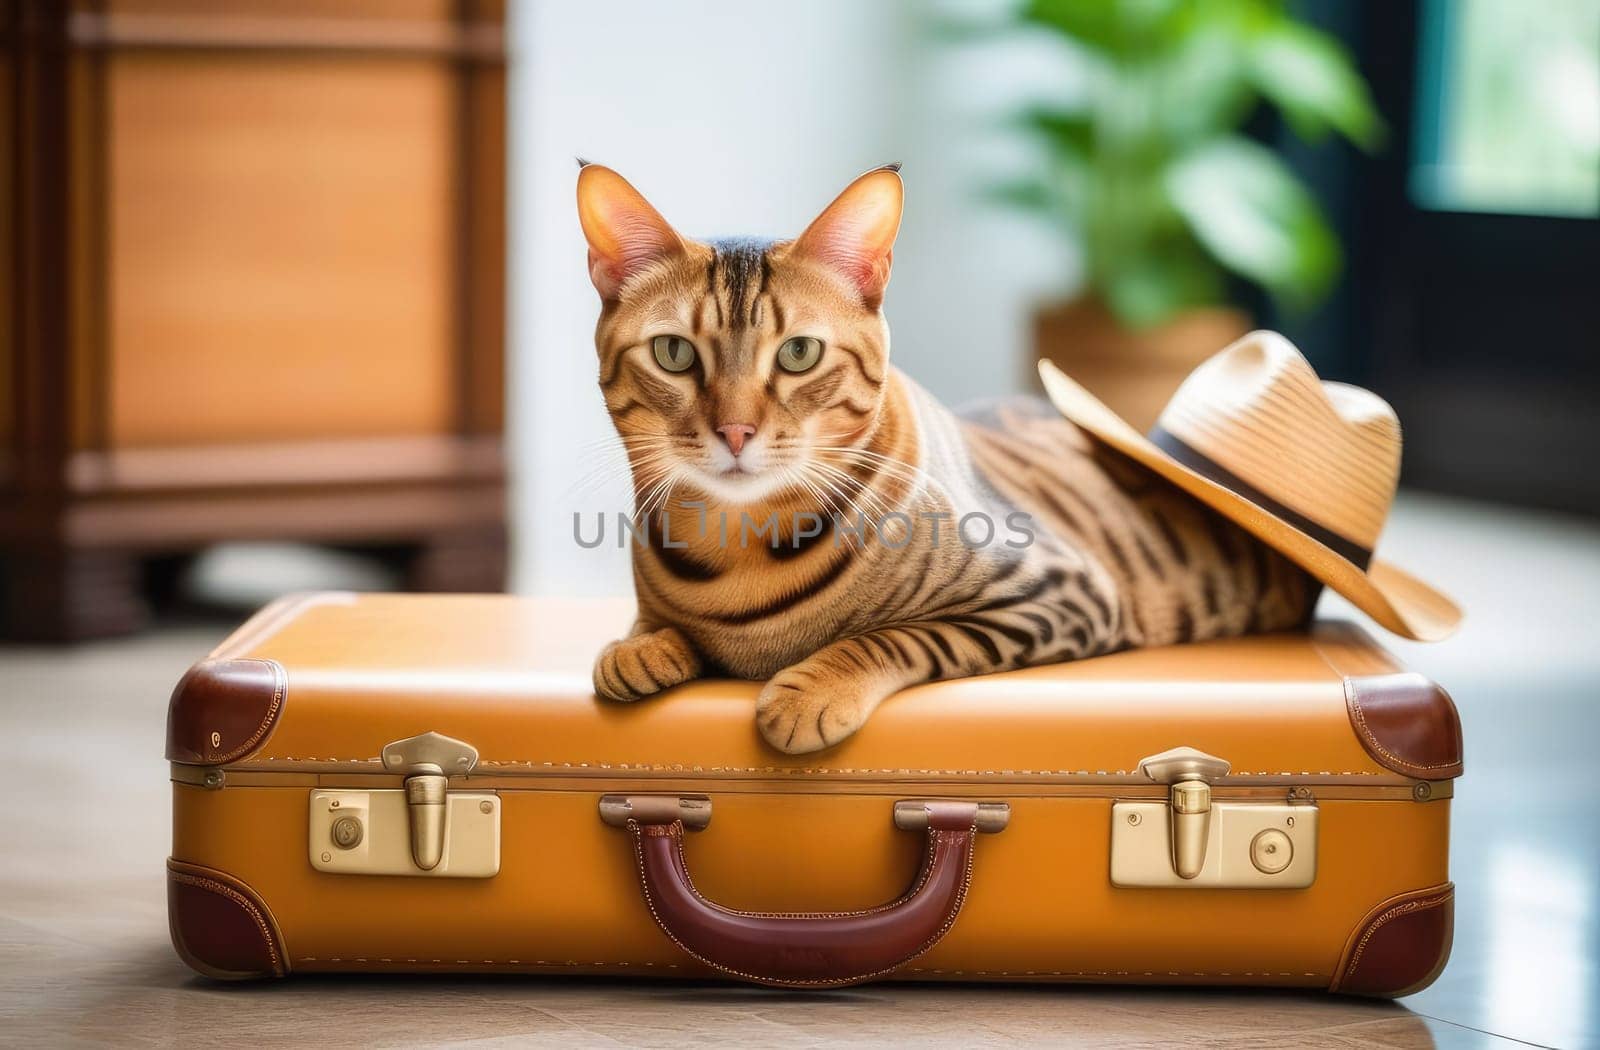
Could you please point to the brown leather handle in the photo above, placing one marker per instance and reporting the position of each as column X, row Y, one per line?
column 818, row 948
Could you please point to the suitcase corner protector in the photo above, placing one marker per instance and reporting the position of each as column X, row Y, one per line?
column 1407, row 723
column 1400, row 946
column 220, row 927
column 223, row 709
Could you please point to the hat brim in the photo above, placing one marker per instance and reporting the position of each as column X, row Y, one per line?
column 1397, row 600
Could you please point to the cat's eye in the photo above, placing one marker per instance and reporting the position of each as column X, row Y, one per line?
column 673, row 352
column 799, row 354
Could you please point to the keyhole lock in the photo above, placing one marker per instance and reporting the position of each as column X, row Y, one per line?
column 423, row 820
column 1271, row 851
column 347, row 832
column 1211, row 830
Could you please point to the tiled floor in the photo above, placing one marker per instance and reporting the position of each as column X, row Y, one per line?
column 84, row 958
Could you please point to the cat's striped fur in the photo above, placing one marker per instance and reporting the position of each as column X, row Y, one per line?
column 837, row 622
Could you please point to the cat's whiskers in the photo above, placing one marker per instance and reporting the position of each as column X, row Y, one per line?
column 658, row 495
column 894, row 467
column 615, row 456
column 855, row 538
column 804, row 482
column 648, row 475
column 845, row 481
column 613, row 444
column 913, row 477
column 795, row 479
column 620, row 467
column 829, row 506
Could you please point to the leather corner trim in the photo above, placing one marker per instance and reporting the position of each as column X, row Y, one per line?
column 220, row 927
column 1400, row 946
column 223, row 709
column 1406, row 723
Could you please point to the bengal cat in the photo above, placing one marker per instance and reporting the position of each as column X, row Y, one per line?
column 749, row 378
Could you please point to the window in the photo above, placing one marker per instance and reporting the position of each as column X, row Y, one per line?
column 1508, row 107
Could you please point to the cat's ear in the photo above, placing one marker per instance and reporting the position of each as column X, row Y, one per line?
column 855, row 234
column 624, row 232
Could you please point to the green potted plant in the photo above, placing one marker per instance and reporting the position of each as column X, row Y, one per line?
column 1148, row 173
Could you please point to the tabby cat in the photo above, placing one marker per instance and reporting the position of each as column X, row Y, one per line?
column 749, row 378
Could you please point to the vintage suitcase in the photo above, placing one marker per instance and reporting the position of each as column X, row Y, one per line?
column 426, row 783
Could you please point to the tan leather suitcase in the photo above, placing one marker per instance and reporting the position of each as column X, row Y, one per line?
column 426, row 783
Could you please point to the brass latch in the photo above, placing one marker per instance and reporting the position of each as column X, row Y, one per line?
column 429, row 760
column 422, row 829
column 1193, row 839
column 1190, row 773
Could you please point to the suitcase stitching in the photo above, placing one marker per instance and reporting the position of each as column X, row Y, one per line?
column 280, row 685
column 213, row 886
column 796, row 771
column 1113, row 973
column 910, row 969
column 490, row 962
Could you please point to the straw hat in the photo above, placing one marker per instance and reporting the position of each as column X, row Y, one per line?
column 1308, row 467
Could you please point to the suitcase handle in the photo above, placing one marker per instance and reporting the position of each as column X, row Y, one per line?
column 811, row 949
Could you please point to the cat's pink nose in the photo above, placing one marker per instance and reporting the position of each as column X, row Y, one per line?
column 734, row 434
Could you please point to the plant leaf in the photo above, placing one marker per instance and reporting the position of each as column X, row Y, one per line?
column 1154, row 285
column 1250, row 212
column 1113, row 27
column 1024, row 194
column 1311, row 78
column 1203, row 87
column 1066, row 131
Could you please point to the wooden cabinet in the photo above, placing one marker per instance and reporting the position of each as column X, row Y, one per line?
column 252, row 283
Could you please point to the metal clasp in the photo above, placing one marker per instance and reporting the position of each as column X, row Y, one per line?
column 1190, row 773
column 429, row 760
column 423, row 828
column 1193, row 839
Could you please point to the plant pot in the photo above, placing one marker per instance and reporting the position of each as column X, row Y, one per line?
column 1134, row 371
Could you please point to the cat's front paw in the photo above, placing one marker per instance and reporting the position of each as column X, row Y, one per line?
column 644, row 664
column 797, row 713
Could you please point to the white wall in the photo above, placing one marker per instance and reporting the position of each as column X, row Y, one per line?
column 741, row 118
